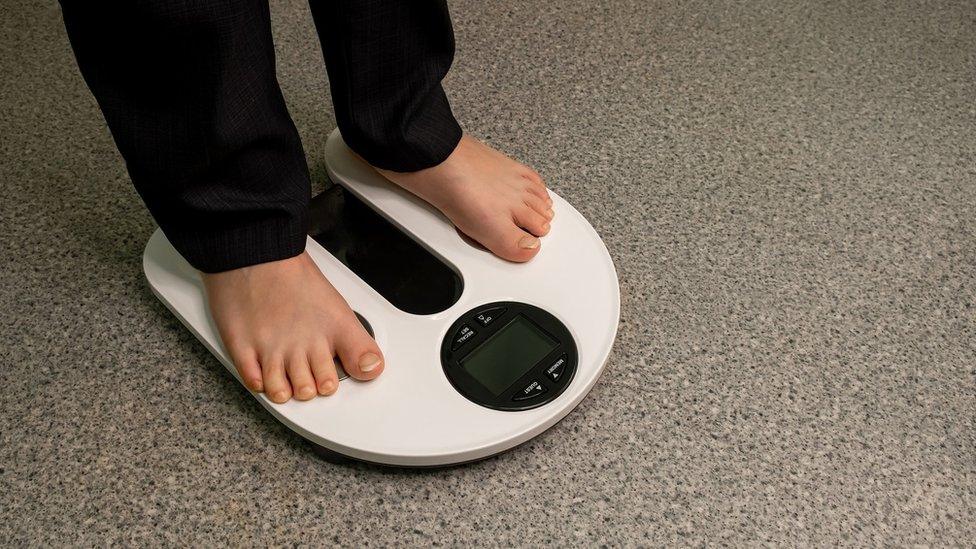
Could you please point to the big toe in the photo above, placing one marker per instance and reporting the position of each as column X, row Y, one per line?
column 514, row 244
column 360, row 355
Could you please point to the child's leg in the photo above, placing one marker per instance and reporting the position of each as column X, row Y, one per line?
column 386, row 59
column 189, row 92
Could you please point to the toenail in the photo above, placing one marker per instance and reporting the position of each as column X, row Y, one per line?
column 545, row 228
column 550, row 213
column 280, row 396
column 369, row 362
column 529, row 242
column 306, row 392
column 328, row 387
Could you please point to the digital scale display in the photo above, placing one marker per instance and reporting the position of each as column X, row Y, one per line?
column 508, row 354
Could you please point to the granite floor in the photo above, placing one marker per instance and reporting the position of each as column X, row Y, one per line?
column 788, row 189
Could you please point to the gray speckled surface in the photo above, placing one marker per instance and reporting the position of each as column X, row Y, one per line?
column 788, row 190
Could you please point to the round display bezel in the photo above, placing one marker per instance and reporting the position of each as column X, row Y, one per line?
column 503, row 313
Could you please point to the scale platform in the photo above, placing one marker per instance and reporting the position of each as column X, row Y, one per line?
column 481, row 354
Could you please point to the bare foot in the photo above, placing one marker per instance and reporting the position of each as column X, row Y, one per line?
column 282, row 322
column 493, row 199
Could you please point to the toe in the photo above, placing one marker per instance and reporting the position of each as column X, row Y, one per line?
column 531, row 175
column 276, row 384
column 538, row 189
column 532, row 221
column 359, row 353
column 514, row 244
column 300, row 374
column 248, row 367
column 543, row 207
column 324, row 371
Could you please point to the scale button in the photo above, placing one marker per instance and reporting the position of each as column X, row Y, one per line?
column 462, row 336
column 557, row 368
column 531, row 390
column 486, row 317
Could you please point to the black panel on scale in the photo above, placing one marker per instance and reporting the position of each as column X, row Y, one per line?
column 509, row 356
column 391, row 262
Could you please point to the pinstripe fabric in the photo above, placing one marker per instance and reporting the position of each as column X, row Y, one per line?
column 386, row 60
column 189, row 92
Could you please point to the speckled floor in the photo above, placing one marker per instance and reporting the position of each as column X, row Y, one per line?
column 789, row 192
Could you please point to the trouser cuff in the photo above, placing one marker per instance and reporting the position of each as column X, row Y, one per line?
column 227, row 246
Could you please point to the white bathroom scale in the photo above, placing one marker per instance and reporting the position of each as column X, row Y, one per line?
column 481, row 354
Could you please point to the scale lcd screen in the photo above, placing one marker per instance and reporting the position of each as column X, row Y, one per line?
column 508, row 354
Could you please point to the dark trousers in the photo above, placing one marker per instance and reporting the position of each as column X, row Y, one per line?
column 189, row 92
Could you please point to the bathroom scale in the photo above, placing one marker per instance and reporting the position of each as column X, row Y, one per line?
column 481, row 354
